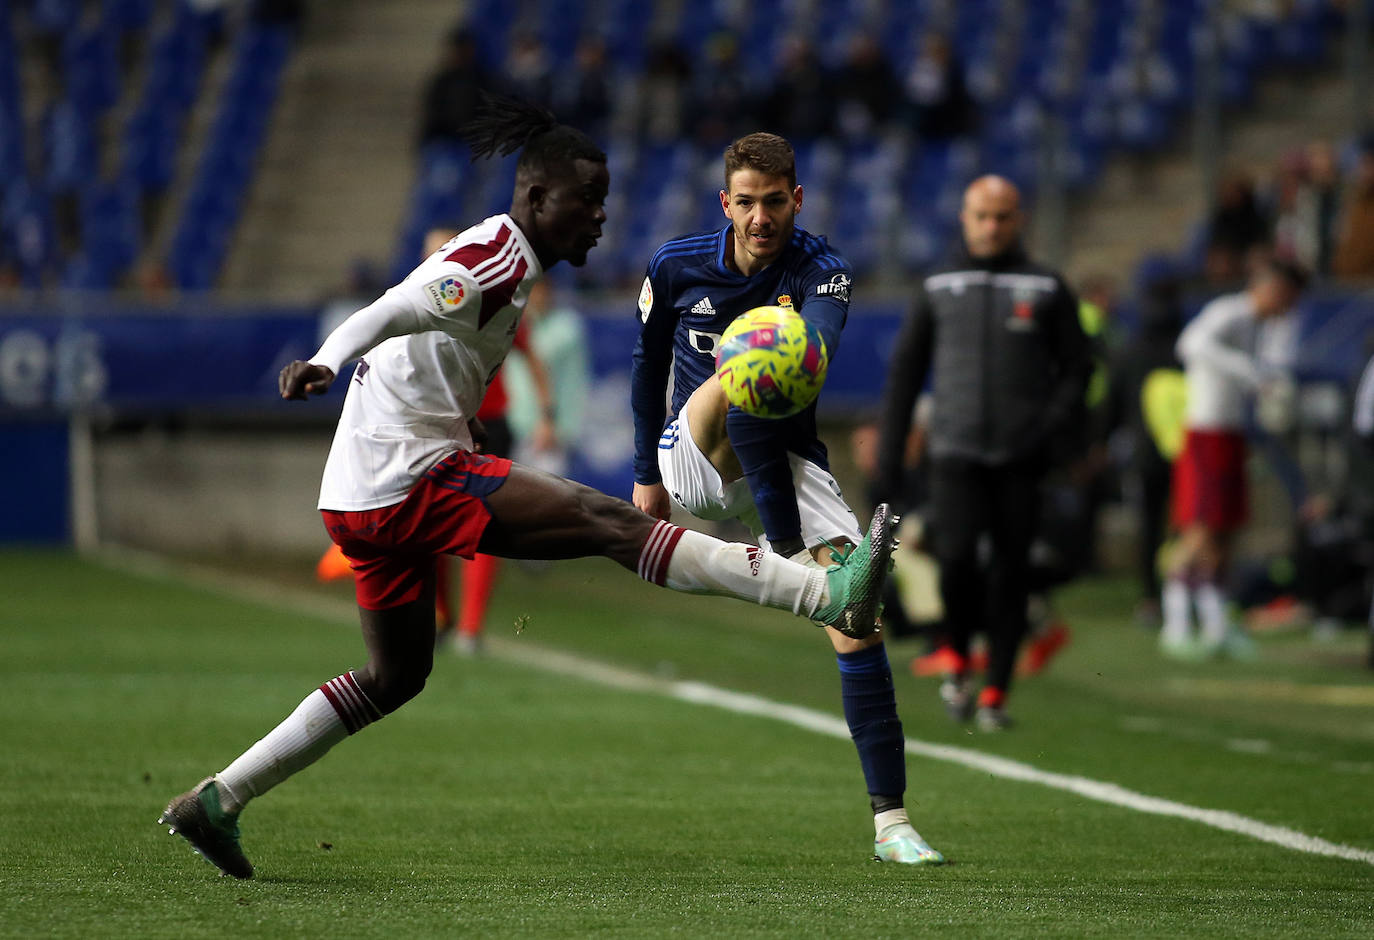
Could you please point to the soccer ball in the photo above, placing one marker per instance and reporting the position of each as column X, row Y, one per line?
column 771, row 362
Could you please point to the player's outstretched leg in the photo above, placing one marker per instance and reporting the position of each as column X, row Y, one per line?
column 538, row 515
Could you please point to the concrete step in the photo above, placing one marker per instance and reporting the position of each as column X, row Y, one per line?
column 336, row 173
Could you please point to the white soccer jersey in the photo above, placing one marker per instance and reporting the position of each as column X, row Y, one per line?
column 1227, row 352
column 429, row 347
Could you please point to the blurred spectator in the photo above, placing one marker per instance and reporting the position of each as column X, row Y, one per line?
column 584, row 99
column 659, row 99
column 1304, row 206
column 1237, row 349
column 723, row 98
column 1361, row 473
column 801, row 104
column 363, row 285
column 937, row 93
column 1147, row 394
column 1078, row 494
column 453, row 91
column 868, row 88
column 1319, row 202
column 558, row 337
column 528, row 73
column 1354, row 255
column 1236, row 227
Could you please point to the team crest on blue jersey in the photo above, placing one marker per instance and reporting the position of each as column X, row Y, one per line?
column 785, row 301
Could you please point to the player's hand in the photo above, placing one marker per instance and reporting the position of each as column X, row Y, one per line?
column 478, row 431
column 299, row 380
column 652, row 498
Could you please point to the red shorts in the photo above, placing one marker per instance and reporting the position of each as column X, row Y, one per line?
column 392, row 550
column 1209, row 481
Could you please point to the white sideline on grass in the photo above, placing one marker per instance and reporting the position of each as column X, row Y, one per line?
column 741, row 703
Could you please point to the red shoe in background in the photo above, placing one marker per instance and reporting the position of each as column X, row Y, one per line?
column 1044, row 648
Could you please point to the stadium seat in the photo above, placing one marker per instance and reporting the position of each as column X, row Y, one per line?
column 70, row 147
column 28, row 229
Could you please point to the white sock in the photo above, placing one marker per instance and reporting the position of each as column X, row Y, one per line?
column 1212, row 612
column 326, row 716
column 688, row 561
column 1176, row 604
column 889, row 817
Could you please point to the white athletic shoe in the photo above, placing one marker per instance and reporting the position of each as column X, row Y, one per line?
column 901, row 843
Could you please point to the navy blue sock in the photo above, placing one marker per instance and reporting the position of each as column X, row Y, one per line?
column 870, row 708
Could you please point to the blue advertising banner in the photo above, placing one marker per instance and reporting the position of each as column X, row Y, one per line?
column 193, row 358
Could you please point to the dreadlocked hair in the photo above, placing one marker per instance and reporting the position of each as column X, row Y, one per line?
column 504, row 125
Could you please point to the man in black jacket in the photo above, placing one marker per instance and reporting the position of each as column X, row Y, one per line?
column 1010, row 366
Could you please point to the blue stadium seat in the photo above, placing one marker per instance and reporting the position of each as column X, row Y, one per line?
column 70, row 147
column 28, row 229
column 126, row 15
column 55, row 17
column 110, row 227
column 90, row 66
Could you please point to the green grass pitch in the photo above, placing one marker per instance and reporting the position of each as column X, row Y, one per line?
column 507, row 801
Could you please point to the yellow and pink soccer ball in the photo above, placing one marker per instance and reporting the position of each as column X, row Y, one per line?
column 771, row 363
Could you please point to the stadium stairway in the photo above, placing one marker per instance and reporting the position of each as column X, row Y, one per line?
column 340, row 157
column 1146, row 205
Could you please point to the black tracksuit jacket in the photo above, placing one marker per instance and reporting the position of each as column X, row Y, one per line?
column 1000, row 338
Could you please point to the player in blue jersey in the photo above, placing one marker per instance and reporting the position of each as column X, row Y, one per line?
column 717, row 462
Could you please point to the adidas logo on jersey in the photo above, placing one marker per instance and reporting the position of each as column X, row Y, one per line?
column 703, row 308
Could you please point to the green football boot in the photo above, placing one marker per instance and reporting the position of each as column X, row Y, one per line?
column 856, row 583
column 197, row 817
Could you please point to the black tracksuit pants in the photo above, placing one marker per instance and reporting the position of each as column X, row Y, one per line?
column 1002, row 501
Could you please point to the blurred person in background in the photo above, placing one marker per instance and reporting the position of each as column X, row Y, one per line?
column 528, row 71
column 558, row 340
column 937, row 94
column 1236, row 228
column 583, row 99
column 1148, row 393
column 659, row 98
column 453, row 91
column 1354, row 256
column 1305, row 200
column 1000, row 336
column 1361, row 486
column 801, row 103
column 868, row 89
column 725, row 101
column 1237, row 349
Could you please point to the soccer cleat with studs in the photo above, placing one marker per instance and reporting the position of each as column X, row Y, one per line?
column 903, row 844
column 197, row 817
column 856, row 582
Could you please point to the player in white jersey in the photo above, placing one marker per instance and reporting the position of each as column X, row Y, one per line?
column 1232, row 351
column 403, row 485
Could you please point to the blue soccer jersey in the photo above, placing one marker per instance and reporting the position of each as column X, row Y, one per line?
column 688, row 299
